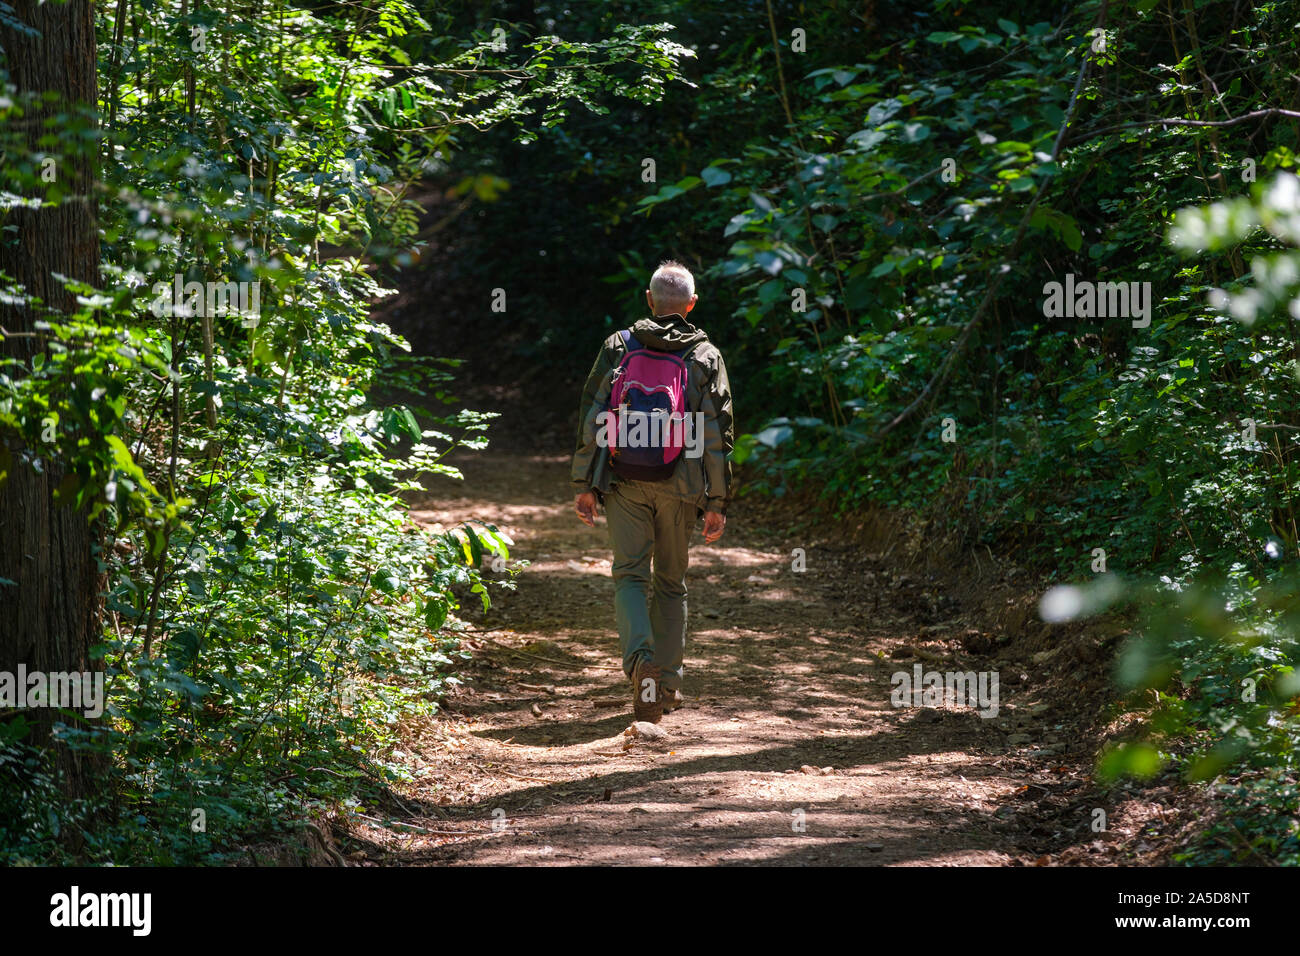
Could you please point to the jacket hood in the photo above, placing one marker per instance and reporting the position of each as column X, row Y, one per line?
column 668, row 333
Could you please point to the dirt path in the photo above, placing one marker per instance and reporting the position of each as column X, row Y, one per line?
column 788, row 752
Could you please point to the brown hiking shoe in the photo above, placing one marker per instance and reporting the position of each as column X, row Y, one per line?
column 673, row 700
column 645, row 684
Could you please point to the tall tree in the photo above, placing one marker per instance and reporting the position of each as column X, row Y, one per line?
column 51, row 616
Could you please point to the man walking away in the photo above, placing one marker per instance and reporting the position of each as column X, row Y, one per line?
column 655, row 433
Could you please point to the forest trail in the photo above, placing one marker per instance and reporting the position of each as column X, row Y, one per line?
column 788, row 751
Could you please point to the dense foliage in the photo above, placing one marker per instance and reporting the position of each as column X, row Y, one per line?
column 875, row 197
column 876, row 216
column 271, row 613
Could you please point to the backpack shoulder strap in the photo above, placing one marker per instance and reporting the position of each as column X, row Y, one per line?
column 629, row 342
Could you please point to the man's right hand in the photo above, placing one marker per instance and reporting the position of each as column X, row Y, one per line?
column 585, row 505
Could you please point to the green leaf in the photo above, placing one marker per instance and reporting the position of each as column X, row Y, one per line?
column 1129, row 760
column 775, row 435
column 1069, row 233
column 713, row 176
column 769, row 261
column 436, row 609
column 743, row 448
column 267, row 521
column 475, row 546
column 494, row 541
column 121, row 454
column 915, row 132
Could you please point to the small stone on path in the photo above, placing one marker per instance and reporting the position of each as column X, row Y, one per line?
column 643, row 728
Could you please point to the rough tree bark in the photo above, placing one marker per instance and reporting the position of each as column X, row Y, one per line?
column 52, row 617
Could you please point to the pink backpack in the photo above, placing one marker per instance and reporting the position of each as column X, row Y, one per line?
column 645, row 433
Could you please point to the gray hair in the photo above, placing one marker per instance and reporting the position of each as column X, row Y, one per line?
column 671, row 286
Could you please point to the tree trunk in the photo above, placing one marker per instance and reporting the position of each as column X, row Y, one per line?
column 49, row 620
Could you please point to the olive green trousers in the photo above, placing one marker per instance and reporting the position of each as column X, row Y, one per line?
column 650, row 529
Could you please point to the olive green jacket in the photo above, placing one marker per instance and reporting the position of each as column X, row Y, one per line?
column 705, row 480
